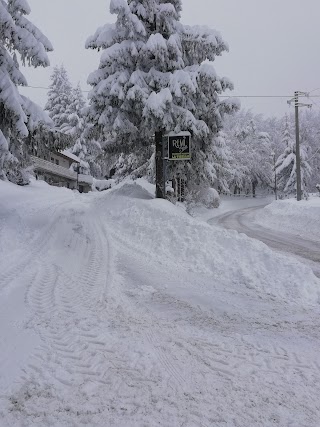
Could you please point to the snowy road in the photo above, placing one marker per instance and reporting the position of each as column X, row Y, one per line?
column 243, row 221
column 119, row 310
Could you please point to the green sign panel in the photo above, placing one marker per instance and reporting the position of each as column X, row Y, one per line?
column 179, row 146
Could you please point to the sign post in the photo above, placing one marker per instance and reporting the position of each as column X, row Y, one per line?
column 160, row 193
column 179, row 148
column 172, row 146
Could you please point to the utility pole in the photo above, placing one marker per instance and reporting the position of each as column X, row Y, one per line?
column 273, row 154
column 78, row 167
column 298, row 105
column 298, row 158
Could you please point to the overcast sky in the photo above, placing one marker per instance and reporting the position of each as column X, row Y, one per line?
column 274, row 44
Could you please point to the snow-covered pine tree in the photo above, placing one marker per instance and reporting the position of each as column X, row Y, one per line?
column 75, row 114
column 18, row 36
column 59, row 96
column 310, row 135
column 251, row 150
column 153, row 76
column 286, row 165
column 217, row 169
column 75, row 126
column 137, row 164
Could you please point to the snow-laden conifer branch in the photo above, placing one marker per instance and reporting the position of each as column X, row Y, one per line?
column 18, row 36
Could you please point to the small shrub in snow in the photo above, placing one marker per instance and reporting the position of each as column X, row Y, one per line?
column 102, row 185
column 209, row 197
column 205, row 196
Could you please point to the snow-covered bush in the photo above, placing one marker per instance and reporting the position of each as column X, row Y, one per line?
column 209, row 197
column 205, row 196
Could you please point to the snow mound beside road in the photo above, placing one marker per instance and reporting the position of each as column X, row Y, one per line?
column 301, row 218
column 164, row 233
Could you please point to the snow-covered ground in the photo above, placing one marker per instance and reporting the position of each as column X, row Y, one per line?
column 230, row 204
column 120, row 310
column 301, row 218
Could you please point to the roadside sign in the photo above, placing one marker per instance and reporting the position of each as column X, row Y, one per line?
column 179, row 146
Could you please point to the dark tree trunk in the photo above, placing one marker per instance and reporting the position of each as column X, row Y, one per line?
column 254, row 185
column 159, row 167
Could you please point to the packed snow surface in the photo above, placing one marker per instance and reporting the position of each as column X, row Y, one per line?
column 301, row 218
column 120, row 310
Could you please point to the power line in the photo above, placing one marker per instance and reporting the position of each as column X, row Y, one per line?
column 47, row 88
column 314, row 155
column 220, row 96
column 315, row 103
column 261, row 96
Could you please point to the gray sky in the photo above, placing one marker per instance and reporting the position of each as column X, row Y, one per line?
column 274, row 44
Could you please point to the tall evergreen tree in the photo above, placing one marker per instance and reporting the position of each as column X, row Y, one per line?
column 59, row 96
column 286, row 168
column 216, row 170
column 75, row 114
column 18, row 115
column 152, row 77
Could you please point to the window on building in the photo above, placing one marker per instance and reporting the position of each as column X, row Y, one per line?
column 57, row 161
column 52, row 159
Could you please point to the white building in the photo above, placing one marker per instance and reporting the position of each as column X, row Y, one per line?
column 55, row 169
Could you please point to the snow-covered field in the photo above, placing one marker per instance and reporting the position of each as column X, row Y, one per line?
column 301, row 218
column 120, row 310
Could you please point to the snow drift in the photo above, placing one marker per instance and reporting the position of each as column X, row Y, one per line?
column 301, row 218
column 163, row 232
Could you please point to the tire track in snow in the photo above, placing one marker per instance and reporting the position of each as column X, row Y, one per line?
column 171, row 372
column 151, row 333
column 38, row 246
column 74, row 352
column 55, row 302
column 71, row 343
column 163, row 358
column 253, row 360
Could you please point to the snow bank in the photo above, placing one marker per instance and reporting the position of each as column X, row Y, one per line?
column 301, row 218
column 164, row 233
